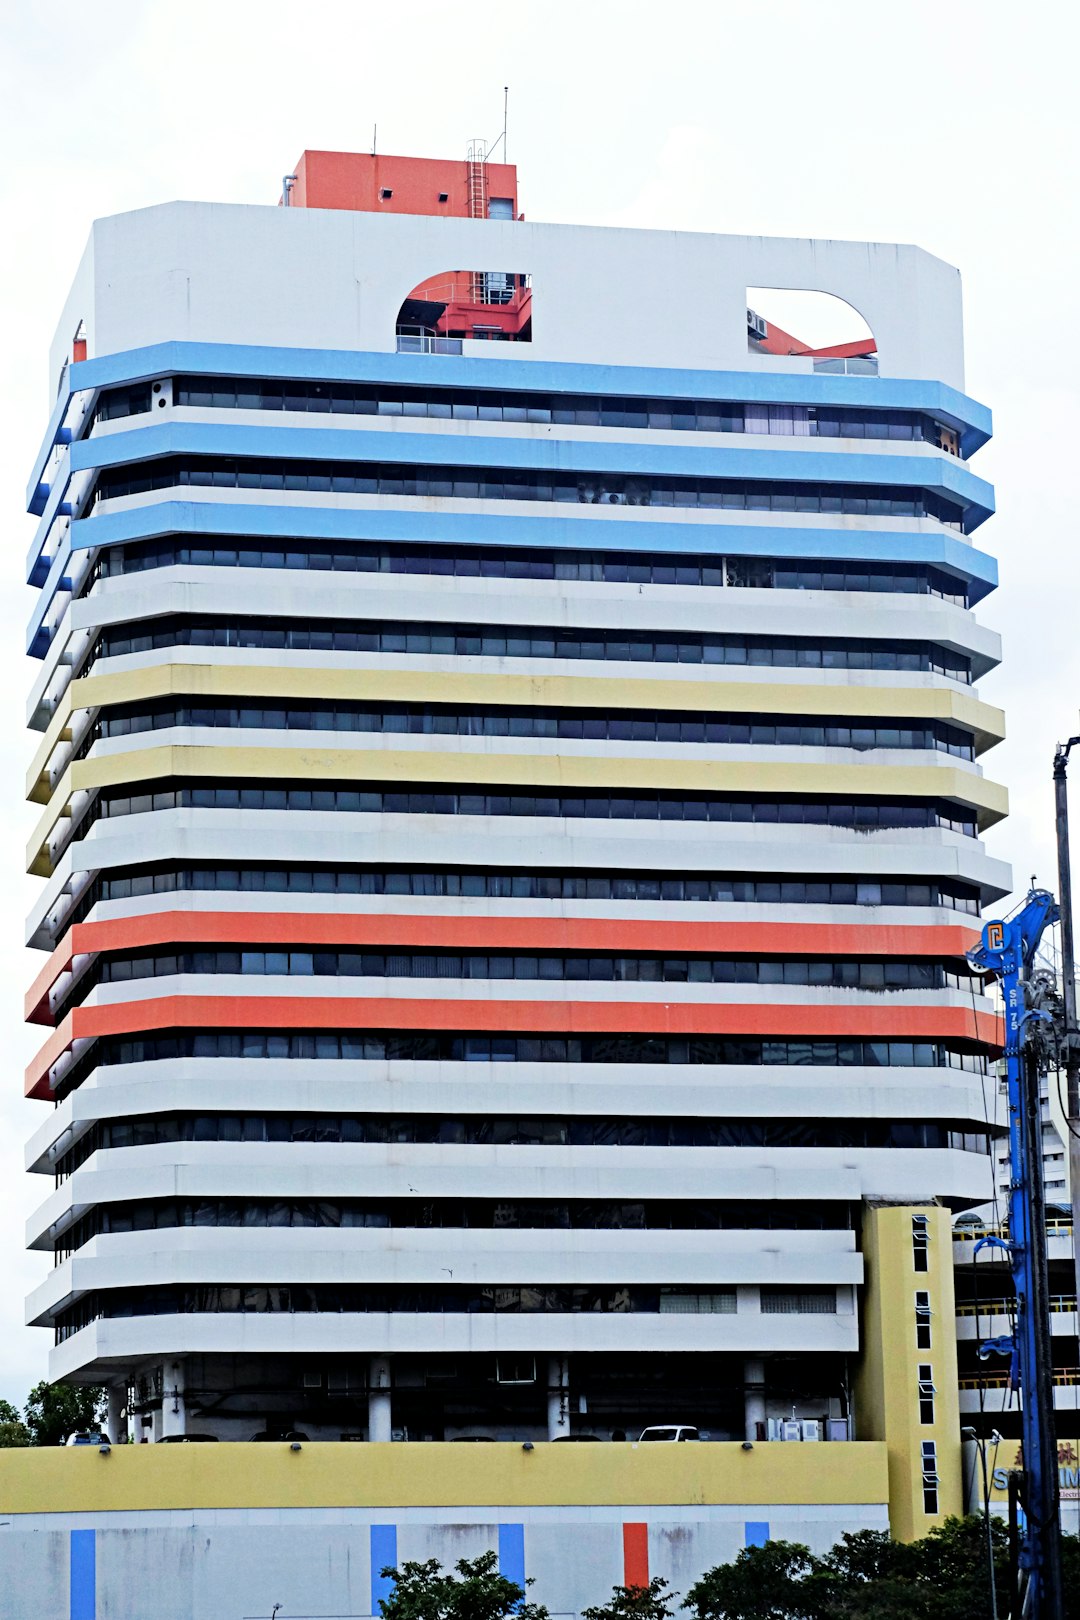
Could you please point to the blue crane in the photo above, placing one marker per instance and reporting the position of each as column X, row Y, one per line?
column 1008, row 951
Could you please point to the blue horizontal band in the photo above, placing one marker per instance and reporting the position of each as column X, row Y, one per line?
column 931, row 470
column 551, row 528
column 969, row 418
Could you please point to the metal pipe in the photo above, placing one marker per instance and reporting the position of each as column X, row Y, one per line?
column 1068, row 986
column 1043, row 1498
column 287, row 183
column 980, row 1446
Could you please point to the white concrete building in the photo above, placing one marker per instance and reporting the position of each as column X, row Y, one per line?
column 511, row 825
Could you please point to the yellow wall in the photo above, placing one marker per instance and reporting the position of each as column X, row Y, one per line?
column 78, row 1479
column 731, row 696
column 886, row 1387
column 619, row 772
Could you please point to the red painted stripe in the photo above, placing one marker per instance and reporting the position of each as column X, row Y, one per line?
column 635, row 1542
column 600, row 934
column 911, row 1022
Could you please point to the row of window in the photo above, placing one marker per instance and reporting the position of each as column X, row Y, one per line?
column 596, row 806
column 912, row 579
column 575, row 724
column 423, row 1046
column 497, row 483
column 547, row 1215
column 523, row 484
column 487, row 641
column 577, row 1130
column 847, row 975
column 501, row 405
column 130, row 883
column 440, row 1298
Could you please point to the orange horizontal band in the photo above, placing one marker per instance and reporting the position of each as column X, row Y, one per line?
column 888, row 1022
column 609, row 935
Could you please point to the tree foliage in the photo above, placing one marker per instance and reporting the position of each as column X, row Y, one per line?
column 770, row 1582
column 865, row 1576
column 650, row 1602
column 477, row 1592
column 53, row 1411
column 13, row 1431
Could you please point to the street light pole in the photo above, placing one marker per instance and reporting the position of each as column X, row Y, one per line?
column 981, row 1444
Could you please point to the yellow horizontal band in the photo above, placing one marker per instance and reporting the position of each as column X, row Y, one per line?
column 802, row 697
column 438, row 1475
column 473, row 767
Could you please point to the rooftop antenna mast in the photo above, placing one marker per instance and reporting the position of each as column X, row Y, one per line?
column 494, row 147
column 374, row 138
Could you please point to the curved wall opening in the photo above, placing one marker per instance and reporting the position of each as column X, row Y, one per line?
column 493, row 306
column 818, row 325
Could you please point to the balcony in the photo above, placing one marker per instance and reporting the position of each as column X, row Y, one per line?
column 853, row 365
column 427, row 343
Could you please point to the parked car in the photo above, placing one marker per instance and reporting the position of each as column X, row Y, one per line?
column 88, row 1437
column 561, row 1439
column 670, row 1431
column 264, row 1434
column 184, row 1439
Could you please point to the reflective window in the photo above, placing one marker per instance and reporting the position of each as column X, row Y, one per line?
column 492, row 641
column 521, row 484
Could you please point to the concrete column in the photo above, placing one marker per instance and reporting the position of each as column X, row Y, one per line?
column 115, row 1426
column 558, row 1397
column 753, row 1394
column 380, row 1420
column 173, row 1405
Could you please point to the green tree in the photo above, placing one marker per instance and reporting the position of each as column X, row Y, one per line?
column 13, row 1431
column 868, row 1576
column 652, row 1602
column 951, row 1565
column 477, row 1592
column 764, row 1583
column 53, row 1411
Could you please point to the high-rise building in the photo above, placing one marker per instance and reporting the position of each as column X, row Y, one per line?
column 511, row 827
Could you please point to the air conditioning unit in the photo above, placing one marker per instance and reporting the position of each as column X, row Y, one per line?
column 755, row 325
column 811, row 1429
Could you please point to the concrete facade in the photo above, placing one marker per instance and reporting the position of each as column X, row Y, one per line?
column 510, row 824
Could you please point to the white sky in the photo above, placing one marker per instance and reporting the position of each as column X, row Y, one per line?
column 950, row 125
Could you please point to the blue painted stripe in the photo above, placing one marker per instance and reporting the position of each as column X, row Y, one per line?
column 931, row 470
column 549, row 528
column 83, row 1575
column 928, row 470
column 54, row 500
column 512, row 1553
column 757, row 1532
column 347, row 365
column 36, row 491
column 383, row 1545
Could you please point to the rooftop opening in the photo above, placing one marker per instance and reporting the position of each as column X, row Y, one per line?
column 490, row 305
column 830, row 331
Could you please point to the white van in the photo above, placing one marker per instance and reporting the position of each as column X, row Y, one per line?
column 670, row 1431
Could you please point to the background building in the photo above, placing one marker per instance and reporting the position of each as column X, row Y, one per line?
column 511, row 814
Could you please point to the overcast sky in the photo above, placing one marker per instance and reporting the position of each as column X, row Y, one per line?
column 951, row 125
